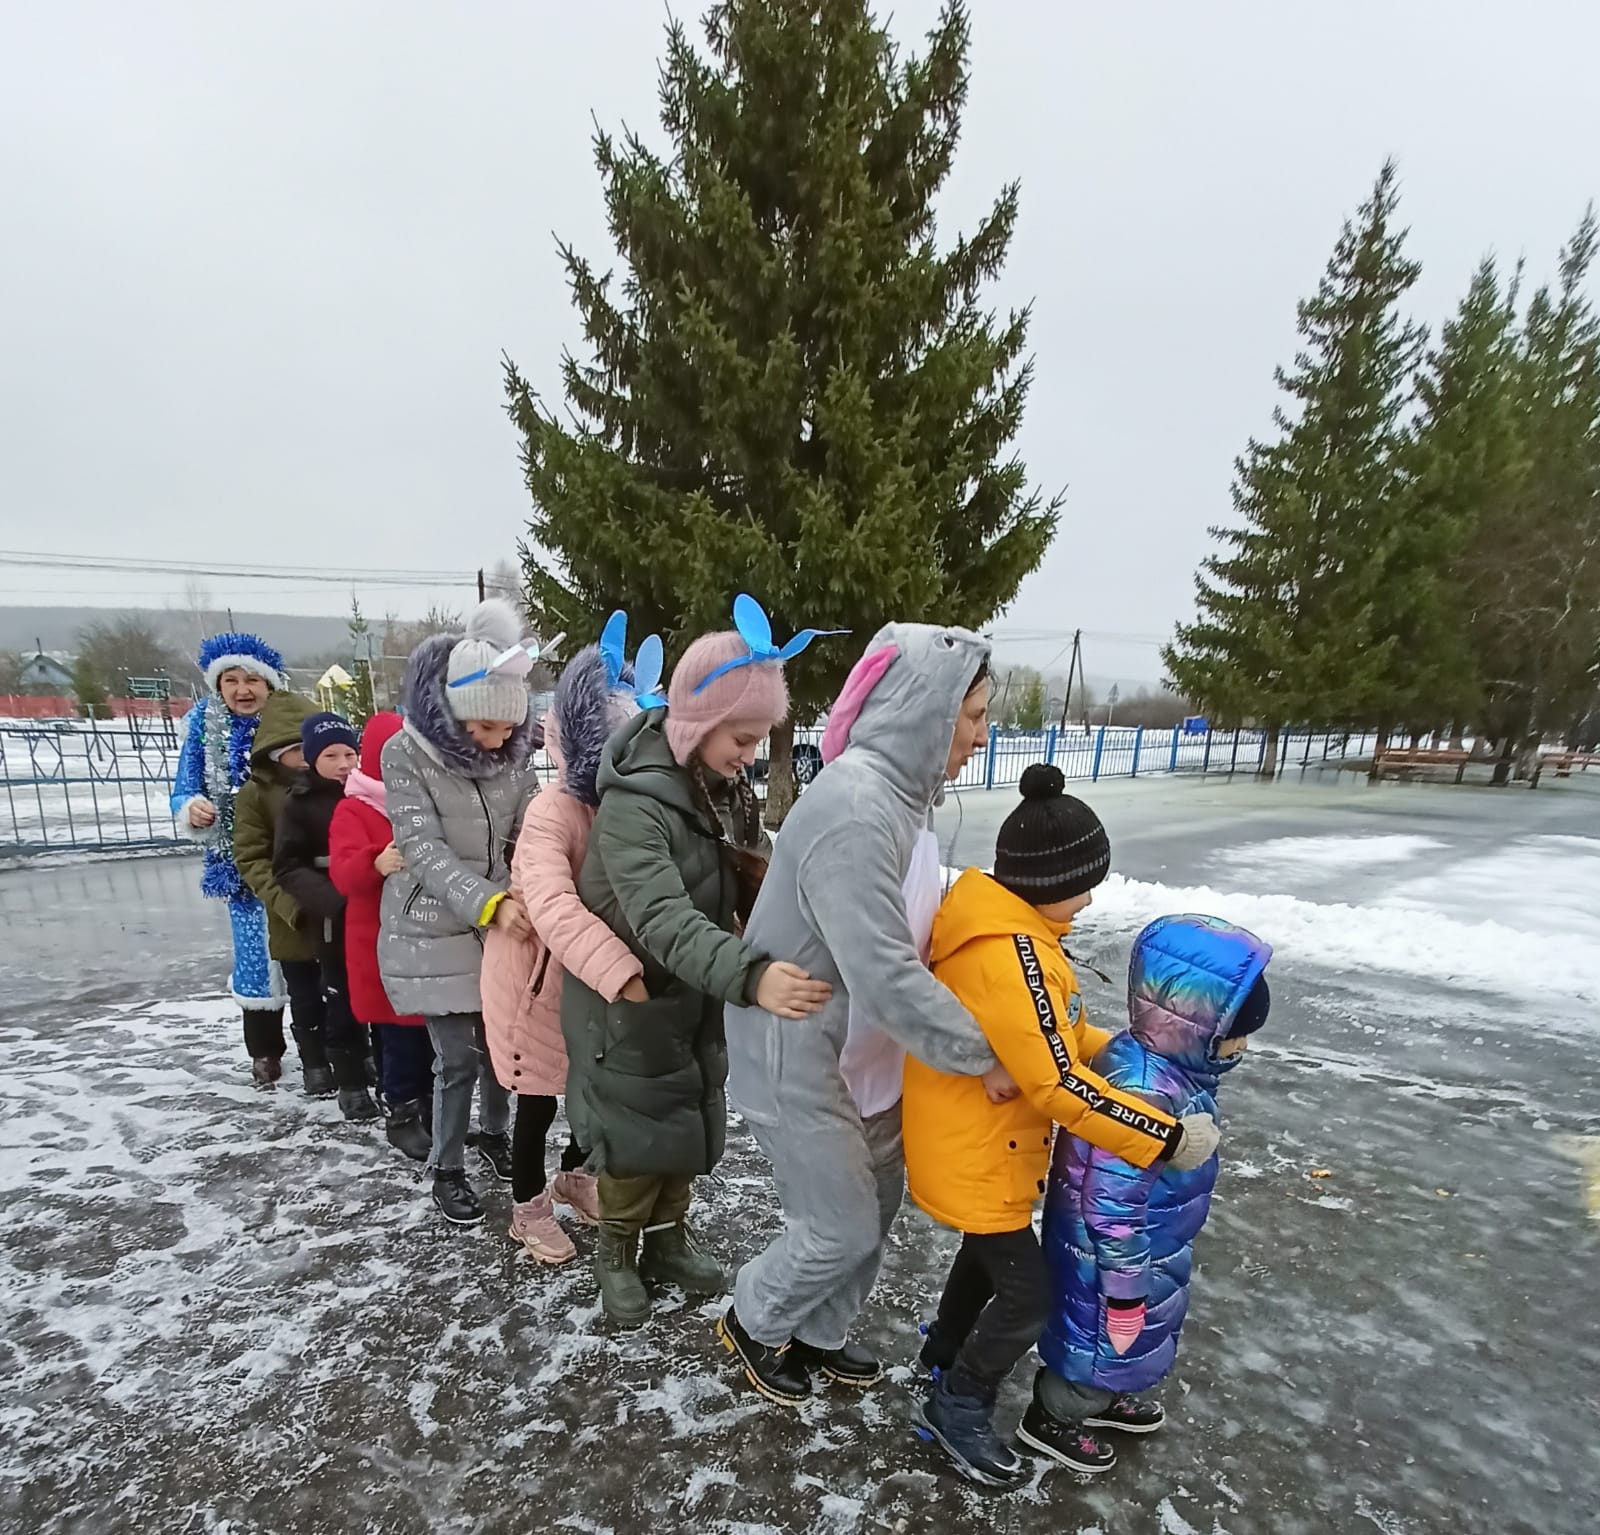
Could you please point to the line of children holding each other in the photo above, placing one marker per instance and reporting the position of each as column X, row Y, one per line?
column 588, row 940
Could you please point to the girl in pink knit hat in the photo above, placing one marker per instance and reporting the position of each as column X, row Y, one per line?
column 671, row 868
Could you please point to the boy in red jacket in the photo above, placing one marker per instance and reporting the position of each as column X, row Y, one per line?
column 362, row 855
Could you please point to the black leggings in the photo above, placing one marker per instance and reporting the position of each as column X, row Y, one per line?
column 534, row 1118
column 263, row 1033
column 993, row 1311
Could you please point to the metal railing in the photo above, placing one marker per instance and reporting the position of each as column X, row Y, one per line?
column 94, row 786
column 72, row 785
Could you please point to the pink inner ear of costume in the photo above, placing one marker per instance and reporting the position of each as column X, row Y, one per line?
column 864, row 677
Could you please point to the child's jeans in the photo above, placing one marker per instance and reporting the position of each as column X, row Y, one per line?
column 993, row 1311
column 463, row 1059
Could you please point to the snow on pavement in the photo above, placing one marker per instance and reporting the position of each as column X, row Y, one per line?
column 230, row 1311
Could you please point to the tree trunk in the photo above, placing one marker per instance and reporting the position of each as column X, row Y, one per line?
column 1502, row 768
column 1379, row 741
column 780, row 773
column 1269, row 762
column 1458, row 738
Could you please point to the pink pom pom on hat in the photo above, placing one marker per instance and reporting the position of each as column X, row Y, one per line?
column 755, row 694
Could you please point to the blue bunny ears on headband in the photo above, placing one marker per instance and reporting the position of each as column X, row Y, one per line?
column 755, row 629
column 516, row 662
column 645, row 680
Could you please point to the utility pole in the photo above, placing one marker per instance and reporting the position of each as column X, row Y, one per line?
column 480, row 583
column 1072, row 667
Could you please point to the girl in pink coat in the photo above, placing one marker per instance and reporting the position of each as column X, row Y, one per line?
column 522, row 977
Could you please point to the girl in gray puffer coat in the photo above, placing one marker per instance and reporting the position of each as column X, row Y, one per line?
column 458, row 777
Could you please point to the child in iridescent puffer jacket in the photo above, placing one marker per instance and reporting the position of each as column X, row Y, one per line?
column 1118, row 1239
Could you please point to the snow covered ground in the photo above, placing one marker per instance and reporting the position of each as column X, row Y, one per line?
column 230, row 1312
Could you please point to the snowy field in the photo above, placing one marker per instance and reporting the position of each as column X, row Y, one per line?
column 229, row 1312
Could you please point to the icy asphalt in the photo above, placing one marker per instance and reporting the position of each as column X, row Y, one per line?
column 230, row 1312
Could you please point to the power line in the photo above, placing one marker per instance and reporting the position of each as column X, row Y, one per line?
column 324, row 575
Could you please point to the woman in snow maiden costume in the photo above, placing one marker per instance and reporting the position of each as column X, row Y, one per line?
column 240, row 670
column 457, row 779
column 1119, row 1239
column 646, row 1079
column 912, row 712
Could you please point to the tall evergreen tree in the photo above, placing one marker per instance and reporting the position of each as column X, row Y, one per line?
column 796, row 392
column 1534, row 566
column 1293, row 616
column 1465, row 463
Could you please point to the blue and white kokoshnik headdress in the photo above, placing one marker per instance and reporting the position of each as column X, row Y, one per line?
column 755, row 629
column 643, row 680
column 246, row 652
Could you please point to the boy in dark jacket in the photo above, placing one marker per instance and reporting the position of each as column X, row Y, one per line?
column 300, row 866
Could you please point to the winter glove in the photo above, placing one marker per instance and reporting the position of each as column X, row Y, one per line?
column 1124, row 1323
column 1198, row 1144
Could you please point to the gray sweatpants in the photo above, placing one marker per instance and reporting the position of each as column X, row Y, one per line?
column 840, row 1180
column 462, row 1059
column 1068, row 1402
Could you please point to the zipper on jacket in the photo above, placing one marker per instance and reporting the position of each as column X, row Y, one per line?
column 488, row 823
column 538, row 980
column 411, row 900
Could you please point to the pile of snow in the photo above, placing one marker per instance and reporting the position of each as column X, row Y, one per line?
column 1394, row 940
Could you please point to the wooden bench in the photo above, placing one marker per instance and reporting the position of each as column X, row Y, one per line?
column 1412, row 758
column 1583, row 761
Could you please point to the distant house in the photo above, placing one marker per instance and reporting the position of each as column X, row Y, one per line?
column 46, row 674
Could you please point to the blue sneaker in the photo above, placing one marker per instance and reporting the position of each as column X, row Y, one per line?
column 963, row 1427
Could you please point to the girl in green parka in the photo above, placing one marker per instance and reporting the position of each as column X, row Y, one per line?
column 669, row 868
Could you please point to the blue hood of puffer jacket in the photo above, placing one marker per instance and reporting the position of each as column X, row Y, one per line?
column 1187, row 980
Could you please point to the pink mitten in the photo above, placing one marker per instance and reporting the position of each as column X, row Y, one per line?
column 1124, row 1323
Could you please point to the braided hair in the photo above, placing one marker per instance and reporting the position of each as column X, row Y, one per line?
column 749, row 810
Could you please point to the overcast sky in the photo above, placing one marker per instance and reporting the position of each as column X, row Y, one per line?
column 259, row 261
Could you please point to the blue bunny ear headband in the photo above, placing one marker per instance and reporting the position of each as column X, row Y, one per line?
column 645, row 684
column 755, row 629
column 516, row 662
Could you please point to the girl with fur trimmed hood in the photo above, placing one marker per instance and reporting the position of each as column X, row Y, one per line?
column 457, row 780
column 522, row 978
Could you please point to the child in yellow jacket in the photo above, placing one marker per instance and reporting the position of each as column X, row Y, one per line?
column 979, row 1166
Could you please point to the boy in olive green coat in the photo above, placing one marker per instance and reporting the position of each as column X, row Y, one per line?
column 677, row 832
column 276, row 762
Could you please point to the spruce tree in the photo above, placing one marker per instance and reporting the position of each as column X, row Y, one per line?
column 793, row 391
column 1292, row 624
column 1464, row 464
column 1535, row 564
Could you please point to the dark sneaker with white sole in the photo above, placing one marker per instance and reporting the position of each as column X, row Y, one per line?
column 847, row 1366
column 1128, row 1415
column 963, row 1427
column 457, row 1200
column 494, row 1151
column 774, row 1372
column 1067, row 1444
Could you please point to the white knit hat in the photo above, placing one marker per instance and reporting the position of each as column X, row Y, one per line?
column 492, row 629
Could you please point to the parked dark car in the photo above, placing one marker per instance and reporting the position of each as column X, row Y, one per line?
column 806, row 757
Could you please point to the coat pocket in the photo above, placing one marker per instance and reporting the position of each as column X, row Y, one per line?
column 651, row 1039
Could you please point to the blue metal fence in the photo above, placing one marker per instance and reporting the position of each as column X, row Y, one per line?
column 77, row 785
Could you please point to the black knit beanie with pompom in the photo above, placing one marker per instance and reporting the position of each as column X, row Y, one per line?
column 1052, row 847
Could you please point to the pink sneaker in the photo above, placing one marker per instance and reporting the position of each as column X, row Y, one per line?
column 581, row 1193
column 533, row 1223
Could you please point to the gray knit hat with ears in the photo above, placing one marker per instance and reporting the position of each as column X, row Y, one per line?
column 492, row 628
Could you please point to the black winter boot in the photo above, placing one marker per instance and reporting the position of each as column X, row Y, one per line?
column 355, row 1102
column 774, row 1372
column 847, row 1366
column 457, row 1200
column 314, row 1070
column 494, row 1151
column 408, row 1129
column 265, row 1070
column 963, row 1427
